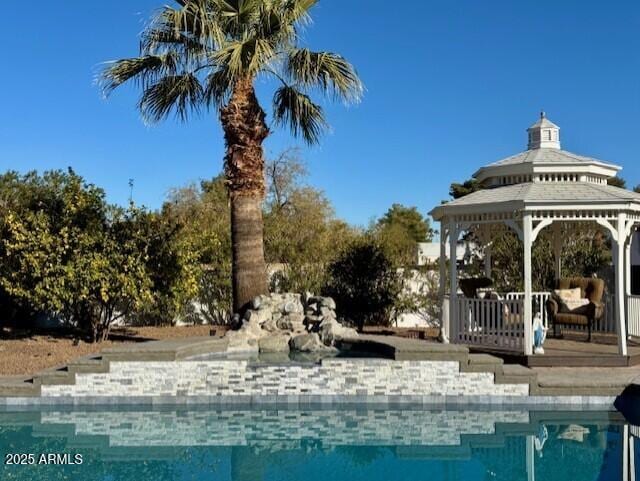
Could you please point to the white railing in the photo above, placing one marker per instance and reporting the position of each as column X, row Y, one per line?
column 538, row 299
column 633, row 315
column 607, row 324
column 497, row 324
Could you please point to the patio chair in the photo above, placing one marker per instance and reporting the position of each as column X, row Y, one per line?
column 470, row 286
column 590, row 288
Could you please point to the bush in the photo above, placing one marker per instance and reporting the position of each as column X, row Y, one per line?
column 66, row 253
column 172, row 268
column 364, row 283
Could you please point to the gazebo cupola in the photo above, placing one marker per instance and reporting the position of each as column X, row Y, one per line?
column 544, row 134
column 545, row 161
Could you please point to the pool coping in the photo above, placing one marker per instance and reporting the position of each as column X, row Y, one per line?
column 17, row 390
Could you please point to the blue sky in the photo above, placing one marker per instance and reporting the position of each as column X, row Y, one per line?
column 451, row 85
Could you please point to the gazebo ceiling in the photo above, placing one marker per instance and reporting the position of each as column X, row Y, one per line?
column 543, row 177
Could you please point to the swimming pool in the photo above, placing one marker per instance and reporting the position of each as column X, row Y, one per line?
column 313, row 444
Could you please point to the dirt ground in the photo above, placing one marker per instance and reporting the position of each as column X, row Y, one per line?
column 26, row 352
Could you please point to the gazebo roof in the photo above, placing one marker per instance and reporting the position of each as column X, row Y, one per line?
column 553, row 156
column 543, row 177
column 540, row 194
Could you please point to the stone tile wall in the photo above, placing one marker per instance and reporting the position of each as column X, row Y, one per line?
column 358, row 380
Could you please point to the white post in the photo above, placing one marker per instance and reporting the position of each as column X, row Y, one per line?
column 619, row 264
column 453, row 281
column 527, row 227
column 627, row 266
column 557, row 248
column 627, row 276
column 445, row 317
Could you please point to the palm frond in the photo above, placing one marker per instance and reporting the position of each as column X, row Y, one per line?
column 297, row 11
column 138, row 68
column 156, row 41
column 197, row 20
column 245, row 58
column 296, row 110
column 182, row 94
column 328, row 71
column 218, row 85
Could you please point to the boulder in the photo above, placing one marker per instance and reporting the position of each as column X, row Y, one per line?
column 331, row 331
column 293, row 306
column 308, row 343
column 276, row 322
column 259, row 316
column 328, row 302
column 326, row 312
column 256, row 302
column 274, row 343
column 241, row 341
column 271, row 325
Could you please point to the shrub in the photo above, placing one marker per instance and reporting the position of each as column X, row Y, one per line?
column 364, row 283
column 66, row 253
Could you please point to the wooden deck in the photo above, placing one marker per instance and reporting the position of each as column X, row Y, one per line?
column 574, row 351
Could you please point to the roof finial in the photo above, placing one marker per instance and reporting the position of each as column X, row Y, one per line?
column 543, row 114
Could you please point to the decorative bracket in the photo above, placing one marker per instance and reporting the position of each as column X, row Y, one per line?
column 541, row 225
column 606, row 224
column 515, row 227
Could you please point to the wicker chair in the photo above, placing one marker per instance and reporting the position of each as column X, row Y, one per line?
column 590, row 288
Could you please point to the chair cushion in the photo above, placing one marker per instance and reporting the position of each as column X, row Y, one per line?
column 570, row 300
column 574, row 306
column 568, row 294
column 591, row 287
column 571, row 319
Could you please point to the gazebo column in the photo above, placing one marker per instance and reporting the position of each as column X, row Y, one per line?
column 527, row 240
column 453, row 281
column 619, row 263
column 445, row 318
column 557, row 249
column 627, row 266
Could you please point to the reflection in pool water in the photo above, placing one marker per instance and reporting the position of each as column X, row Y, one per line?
column 320, row 444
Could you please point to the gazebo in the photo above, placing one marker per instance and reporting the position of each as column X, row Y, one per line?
column 542, row 187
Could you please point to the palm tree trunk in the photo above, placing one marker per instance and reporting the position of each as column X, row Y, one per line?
column 245, row 130
column 249, row 275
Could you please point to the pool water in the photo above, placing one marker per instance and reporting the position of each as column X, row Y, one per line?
column 318, row 444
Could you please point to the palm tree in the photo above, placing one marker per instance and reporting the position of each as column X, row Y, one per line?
column 204, row 54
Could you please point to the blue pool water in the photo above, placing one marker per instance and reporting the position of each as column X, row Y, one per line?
column 317, row 444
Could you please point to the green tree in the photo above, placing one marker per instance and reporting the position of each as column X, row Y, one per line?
column 172, row 265
column 208, row 54
column 467, row 187
column 364, row 283
column 202, row 211
column 65, row 252
column 409, row 219
column 302, row 234
column 617, row 181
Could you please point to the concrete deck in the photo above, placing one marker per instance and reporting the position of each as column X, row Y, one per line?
column 543, row 381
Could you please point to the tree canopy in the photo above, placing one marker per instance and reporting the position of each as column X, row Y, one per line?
column 192, row 57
